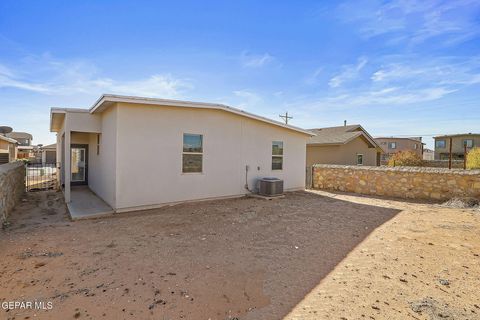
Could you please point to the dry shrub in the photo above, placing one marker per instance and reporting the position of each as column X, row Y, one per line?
column 405, row 158
column 473, row 159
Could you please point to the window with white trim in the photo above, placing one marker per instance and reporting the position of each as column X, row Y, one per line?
column 392, row 145
column 277, row 155
column 192, row 156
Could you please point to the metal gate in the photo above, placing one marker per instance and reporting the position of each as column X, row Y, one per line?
column 40, row 176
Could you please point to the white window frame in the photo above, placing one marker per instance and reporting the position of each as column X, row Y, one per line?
column 392, row 145
column 278, row 155
column 194, row 153
column 359, row 154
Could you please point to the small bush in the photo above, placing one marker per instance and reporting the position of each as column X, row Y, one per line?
column 405, row 158
column 473, row 159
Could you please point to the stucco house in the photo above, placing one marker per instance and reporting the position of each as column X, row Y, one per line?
column 345, row 145
column 138, row 153
column 49, row 153
column 392, row 145
column 459, row 142
column 8, row 149
column 25, row 147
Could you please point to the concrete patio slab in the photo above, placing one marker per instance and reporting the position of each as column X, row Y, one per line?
column 85, row 204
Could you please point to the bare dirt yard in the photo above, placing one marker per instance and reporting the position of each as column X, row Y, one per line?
column 310, row 255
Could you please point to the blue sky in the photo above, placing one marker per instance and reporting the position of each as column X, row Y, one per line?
column 396, row 67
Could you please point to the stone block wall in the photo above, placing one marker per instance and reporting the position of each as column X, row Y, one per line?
column 12, row 187
column 402, row 182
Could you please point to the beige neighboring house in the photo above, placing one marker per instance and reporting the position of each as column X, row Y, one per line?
column 8, row 149
column 49, row 154
column 392, row 145
column 345, row 145
column 459, row 141
column 137, row 153
column 25, row 148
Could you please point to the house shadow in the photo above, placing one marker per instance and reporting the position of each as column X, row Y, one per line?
column 322, row 231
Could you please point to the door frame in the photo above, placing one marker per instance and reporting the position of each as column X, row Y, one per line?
column 85, row 182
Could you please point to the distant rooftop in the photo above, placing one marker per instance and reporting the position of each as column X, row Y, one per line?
column 19, row 135
column 339, row 135
column 457, row 135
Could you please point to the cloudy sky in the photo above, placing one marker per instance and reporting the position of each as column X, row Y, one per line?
column 396, row 67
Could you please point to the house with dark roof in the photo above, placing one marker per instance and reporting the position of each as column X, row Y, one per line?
column 345, row 145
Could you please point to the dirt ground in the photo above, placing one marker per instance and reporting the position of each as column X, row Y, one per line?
column 307, row 256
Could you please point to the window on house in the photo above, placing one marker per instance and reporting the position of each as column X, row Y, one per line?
column 192, row 157
column 468, row 143
column 359, row 159
column 392, row 145
column 440, row 144
column 277, row 155
column 98, row 143
column 415, row 146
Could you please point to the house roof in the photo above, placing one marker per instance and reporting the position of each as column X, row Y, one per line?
column 457, row 135
column 19, row 135
column 340, row 135
column 50, row 146
column 2, row 137
column 107, row 100
column 415, row 139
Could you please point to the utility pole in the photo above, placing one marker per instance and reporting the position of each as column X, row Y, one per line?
column 285, row 117
column 450, row 154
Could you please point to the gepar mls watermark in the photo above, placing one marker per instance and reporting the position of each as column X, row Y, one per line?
column 32, row 305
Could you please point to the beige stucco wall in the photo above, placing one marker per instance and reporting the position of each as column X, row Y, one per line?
column 149, row 155
column 402, row 182
column 402, row 144
column 10, row 148
column 343, row 154
column 457, row 144
column 102, row 166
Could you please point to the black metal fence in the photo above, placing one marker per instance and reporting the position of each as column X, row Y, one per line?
column 40, row 176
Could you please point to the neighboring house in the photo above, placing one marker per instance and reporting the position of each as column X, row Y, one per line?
column 25, row 148
column 392, row 145
column 137, row 153
column 459, row 141
column 346, row 145
column 49, row 154
column 8, row 149
column 428, row 154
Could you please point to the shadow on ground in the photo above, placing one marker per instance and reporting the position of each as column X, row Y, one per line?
column 242, row 258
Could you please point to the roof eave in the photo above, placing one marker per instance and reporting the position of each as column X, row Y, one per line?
column 104, row 99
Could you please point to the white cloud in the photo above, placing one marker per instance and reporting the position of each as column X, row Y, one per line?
column 440, row 71
column 349, row 72
column 413, row 21
column 383, row 97
column 55, row 77
column 248, row 98
column 256, row 61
